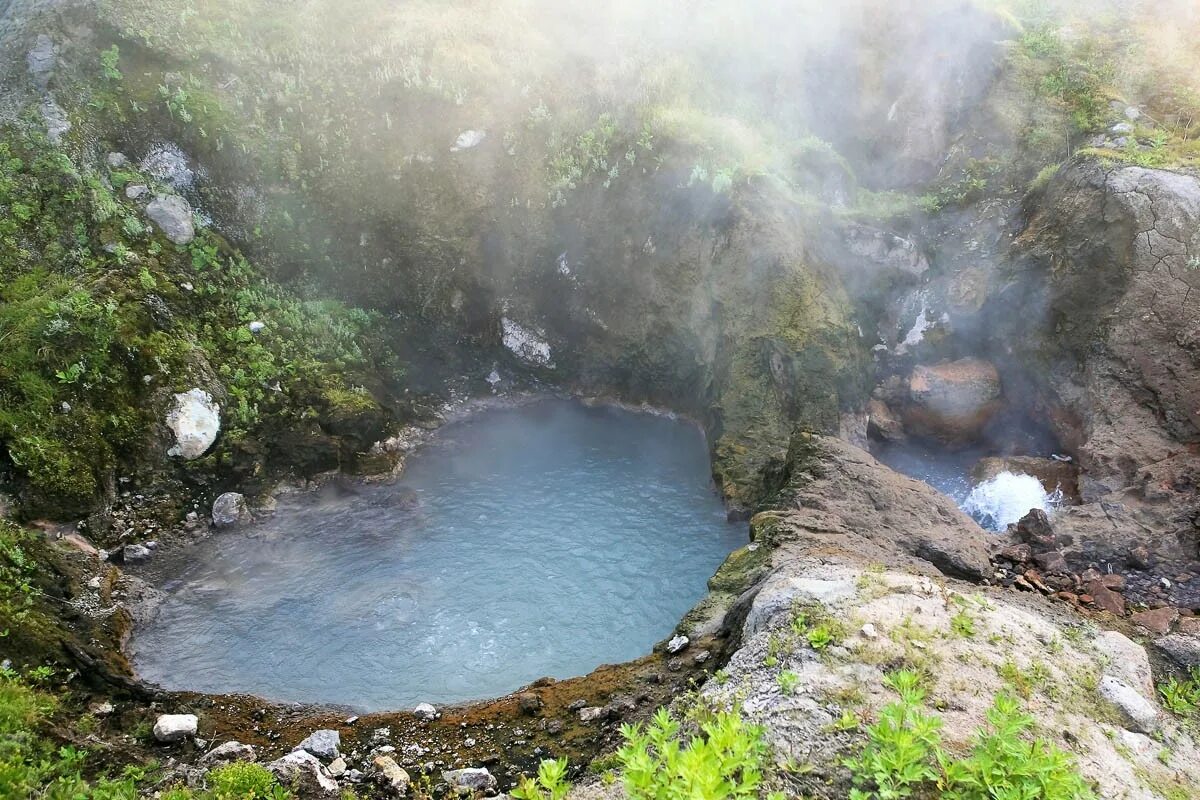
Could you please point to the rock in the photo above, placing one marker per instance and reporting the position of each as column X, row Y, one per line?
column 175, row 727
column 136, row 191
column 323, row 744
column 195, row 420
column 472, row 779
column 677, row 644
column 169, row 164
column 468, row 139
column 1016, row 553
column 1158, row 621
column 302, row 770
column 257, row 327
column 530, row 703
column 390, row 776
column 337, row 767
column 1113, row 581
column 227, row 752
column 952, row 401
column 591, row 714
column 173, row 216
column 1035, row 530
column 135, row 554
column 1125, row 660
column 527, row 344
column 868, row 631
column 882, row 424
column 1051, row 562
column 55, row 119
column 1106, row 599
column 116, row 160
column 701, row 657
column 425, row 711
column 1139, row 714
column 41, row 60
column 1182, row 648
column 229, row 509
column 1138, row 557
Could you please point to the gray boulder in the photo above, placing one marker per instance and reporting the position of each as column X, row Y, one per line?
column 173, row 216
column 472, row 779
column 1138, row 713
column 227, row 752
column 302, row 770
column 230, row 509
column 323, row 744
column 135, row 553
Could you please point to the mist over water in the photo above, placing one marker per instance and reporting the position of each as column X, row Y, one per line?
column 541, row 540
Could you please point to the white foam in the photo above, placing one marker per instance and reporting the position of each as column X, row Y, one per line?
column 1000, row 501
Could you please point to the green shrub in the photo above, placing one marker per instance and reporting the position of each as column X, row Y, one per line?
column 725, row 759
column 1182, row 697
column 245, row 781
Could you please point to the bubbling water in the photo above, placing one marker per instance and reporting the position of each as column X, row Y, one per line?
column 1000, row 501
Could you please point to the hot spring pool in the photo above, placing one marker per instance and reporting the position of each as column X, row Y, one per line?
column 545, row 539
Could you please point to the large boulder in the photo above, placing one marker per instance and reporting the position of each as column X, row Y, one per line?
column 323, row 744
column 195, row 419
column 952, row 401
column 229, row 509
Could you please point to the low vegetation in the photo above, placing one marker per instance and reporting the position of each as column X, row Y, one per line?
column 905, row 757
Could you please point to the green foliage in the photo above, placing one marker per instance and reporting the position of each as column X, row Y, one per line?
column 245, row 781
column 32, row 766
column 109, row 60
column 724, row 759
column 1182, row 697
column 963, row 625
column 549, row 784
column 904, row 757
column 16, row 576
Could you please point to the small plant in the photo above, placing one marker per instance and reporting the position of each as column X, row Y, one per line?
column 902, row 747
column 724, row 759
column 549, row 784
column 1182, row 698
column 788, row 681
column 108, row 63
column 962, row 625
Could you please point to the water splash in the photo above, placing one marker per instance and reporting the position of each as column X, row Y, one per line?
column 1000, row 501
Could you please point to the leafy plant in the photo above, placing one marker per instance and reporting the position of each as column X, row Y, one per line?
column 1182, row 697
column 108, row 63
column 723, row 759
column 788, row 681
column 245, row 781
column 550, row 783
column 963, row 625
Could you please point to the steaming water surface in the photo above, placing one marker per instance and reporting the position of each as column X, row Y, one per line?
column 540, row 540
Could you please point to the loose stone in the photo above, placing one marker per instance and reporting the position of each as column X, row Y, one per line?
column 175, row 727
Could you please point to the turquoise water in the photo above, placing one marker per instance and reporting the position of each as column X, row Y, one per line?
column 540, row 540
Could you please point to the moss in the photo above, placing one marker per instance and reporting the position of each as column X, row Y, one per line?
column 741, row 569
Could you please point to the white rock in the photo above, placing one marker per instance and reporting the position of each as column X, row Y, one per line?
column 195, row 420
column 475, row 779
column 173, row 216
column 425, row 711
column 229, row 509
column 257, row 326
column 468, row 139
column 677, row 644
column 135, row 553
column 1140, row 714
column 175, row 727
column 868, row 631
column 590, row 714
column 229, row 751
column 525, row 343
column 136, row 191
column 1126, row 660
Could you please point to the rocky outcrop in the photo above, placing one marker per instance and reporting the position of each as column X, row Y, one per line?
column 1101, row 300
column 951, row 401
column 836, row 497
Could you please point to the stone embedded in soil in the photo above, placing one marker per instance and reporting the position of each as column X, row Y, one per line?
column 591, row 714
column 1106, row 599
column 175, row 727
column 529, row 702
column 1157, row 621
column 302, row 769
column 227, row 752
column 173, row 216
column 1182, row 648
column 323, row 744
column 1051, row 562
column 390, row 776
column 1138, row 713
column 135, row 553
column 677, row 644
column 195, row 420
column 473, row 779
column 425, row 711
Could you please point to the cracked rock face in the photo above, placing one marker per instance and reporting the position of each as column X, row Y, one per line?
column 1103, row 290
